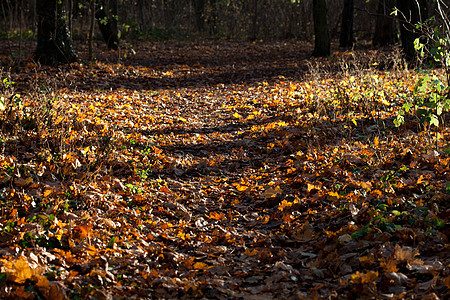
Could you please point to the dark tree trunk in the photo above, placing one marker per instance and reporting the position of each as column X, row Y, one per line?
column 254, row 20
column 212, row 20
column 322, row 38
column 54, row 46
column 199, row 10
column 108, row 23
column 346, row 39
column 384, row 27
column 411, row 13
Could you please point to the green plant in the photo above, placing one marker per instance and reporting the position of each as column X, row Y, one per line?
column 431, row 97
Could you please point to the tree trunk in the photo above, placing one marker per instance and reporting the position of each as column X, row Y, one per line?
column 212, row 20
column 108, row 24
column 254, row 20
column 322, row 38
column 91, row 30
column 54, row 46
column 346, row 37
column 199, row 10
column 384, row 27
column 411, row 13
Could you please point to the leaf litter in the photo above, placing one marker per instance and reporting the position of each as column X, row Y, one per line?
column 221, row 170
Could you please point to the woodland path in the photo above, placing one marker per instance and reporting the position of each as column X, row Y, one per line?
column 222, row 170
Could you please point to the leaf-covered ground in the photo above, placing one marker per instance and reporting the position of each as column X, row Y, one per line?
column 221, row 170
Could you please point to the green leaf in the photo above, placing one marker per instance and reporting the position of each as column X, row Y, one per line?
column 434, row 120
column 418, row 45
column 400, row 120
column 2, row 277
column 111, row 242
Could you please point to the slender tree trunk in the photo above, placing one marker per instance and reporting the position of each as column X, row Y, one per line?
column 322, row 38
column 108, row 23
column 384, row 27
column 70, row 17
column 254, row 24
column 411, row 13
column 54, row 46
column 199, row 10
column 346, row 38
column 213, row 18
column 91, row 29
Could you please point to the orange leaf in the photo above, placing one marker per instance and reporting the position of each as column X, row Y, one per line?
column 216, row 216
column 19, row 271
column 376, row 141
column 83, row 231
column 251, row 253
column 91, row 250
column 157, row 150
column 47, row 193
column 360, row 278
column 201, row 266
column 164, row 189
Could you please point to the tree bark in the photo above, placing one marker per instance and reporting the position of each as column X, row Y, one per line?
column 384, row 27
column 108, row 23
column 91, row 30
column 199, row 10
column 254, row 20
column 322, row 37
column 346, row 38
column 54, row 45
column 411, row 13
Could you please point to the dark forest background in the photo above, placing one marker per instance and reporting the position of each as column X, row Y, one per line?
column 373, row 23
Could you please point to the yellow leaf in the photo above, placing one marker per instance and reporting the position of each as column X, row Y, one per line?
column 182, row 120
column 241, row 188
column 284, row 204
column 311, row 187
column 237, row 116
column 334, row 195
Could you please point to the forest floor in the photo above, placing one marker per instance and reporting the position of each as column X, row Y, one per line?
column 221, row 170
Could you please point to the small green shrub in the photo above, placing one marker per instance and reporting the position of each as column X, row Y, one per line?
column 431, row 97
